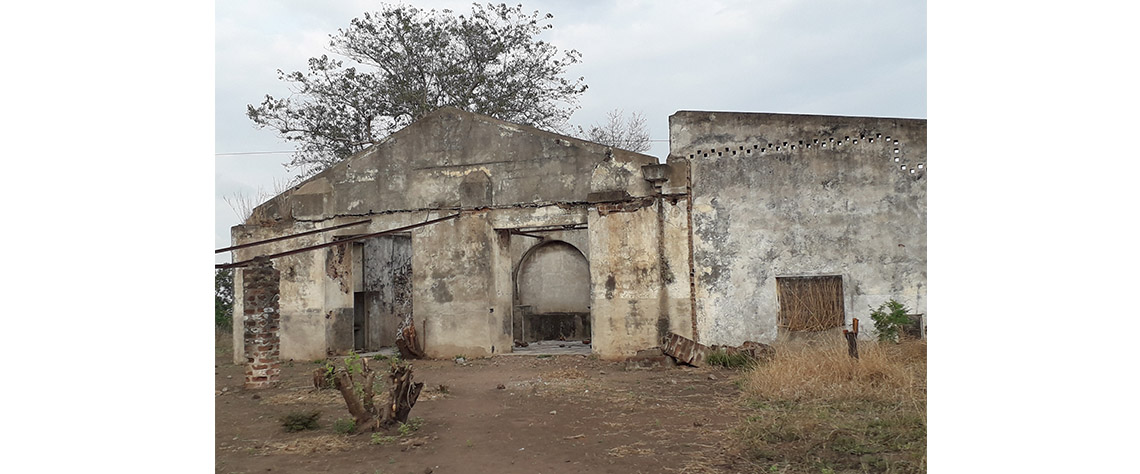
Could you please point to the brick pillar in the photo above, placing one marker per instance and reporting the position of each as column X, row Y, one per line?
column 261, row 288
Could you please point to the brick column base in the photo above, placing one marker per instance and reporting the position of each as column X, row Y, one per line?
column 262, row 318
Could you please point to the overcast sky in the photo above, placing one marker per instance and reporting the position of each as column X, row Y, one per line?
column 859, row 57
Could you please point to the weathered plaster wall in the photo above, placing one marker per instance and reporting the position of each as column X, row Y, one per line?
column 639, row 275
column 451, row 159
column 454, row 287
column 303, row 303
column 785, row 195
column 555, row 278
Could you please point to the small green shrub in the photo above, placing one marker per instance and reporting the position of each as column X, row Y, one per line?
column 377, row 438
column 301, row 421
column 344, row 426
column 889, row 320
column 731, row 361
column 411, row 426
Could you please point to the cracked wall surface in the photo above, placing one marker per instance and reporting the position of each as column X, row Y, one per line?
column 692, row 246
column 789, row 195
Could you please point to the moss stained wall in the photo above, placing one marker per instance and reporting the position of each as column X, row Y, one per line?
column 786, row 195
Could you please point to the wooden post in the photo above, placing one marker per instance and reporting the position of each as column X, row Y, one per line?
column 852, row 347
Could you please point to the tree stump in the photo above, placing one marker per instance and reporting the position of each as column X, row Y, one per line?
column 407, row 342
column 359, row 396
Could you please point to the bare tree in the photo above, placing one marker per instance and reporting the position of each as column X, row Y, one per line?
column 243, row 204
column 627, row 134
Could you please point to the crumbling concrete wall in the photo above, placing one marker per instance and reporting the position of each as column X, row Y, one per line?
column 455, row 291
column 304, row 301
column 639, row 274
column 790, row 195
column 744, row 199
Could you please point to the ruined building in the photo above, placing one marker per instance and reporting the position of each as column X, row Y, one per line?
column 756, row 227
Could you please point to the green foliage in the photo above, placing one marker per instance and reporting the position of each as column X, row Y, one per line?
column 889, row 320
column 344, row 426
column 405, row 62
column 411, row 426
column 300, row 421
column 377, row 438
column 727, row 360
column 224, row 299
column 353, row 364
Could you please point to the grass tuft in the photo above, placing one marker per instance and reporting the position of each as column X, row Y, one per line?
column 812, row 408
column 301, row 421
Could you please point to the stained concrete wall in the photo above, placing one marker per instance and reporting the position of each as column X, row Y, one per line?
column 502, row 177
column 451, row 159
column 639, row 274
column 304, row 293
column 745, row 198
column 555, row 278
column 786, row 195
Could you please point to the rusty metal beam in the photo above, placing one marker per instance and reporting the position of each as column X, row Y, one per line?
column 524, row 234
column 337, row 242
column 287, row 237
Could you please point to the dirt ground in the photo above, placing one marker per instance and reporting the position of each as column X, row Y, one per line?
column 564, row 413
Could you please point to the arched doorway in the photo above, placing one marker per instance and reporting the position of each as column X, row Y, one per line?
column 552, row 289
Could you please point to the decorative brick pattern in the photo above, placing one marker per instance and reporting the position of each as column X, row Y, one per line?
column 262, row 319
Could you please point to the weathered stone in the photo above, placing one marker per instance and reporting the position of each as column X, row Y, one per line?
column 559, row 237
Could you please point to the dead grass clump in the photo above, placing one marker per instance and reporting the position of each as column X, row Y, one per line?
column 824, row 371
column 566, row 373
column 314, row 444
column 813, row 408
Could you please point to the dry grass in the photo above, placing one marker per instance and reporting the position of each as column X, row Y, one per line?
column 223, row 343
column 312, row 445
column 823, row 371
column 813, row 408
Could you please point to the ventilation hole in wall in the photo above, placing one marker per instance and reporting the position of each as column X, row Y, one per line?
column 777, row 148
column 690, row 156
column 785, row 143
column 706, row 155
column 815, row 141
column 896, row 159
column 896, row 142
column 755, row 147
column 698, row 152
column 920, row 166
column 726, row 149
column 903, row 167
column 808, row 145
column 793, row 147
column 846, row 137
column 870, row 140
column 720, row 153
column 733, row 152
column 801, row 142
column 862, row 135
column 741, row 148
column 823, row 145
column 896, row 151
column 749, row 151
column 888, row 138
column 878, row 135
column 912, row 171
column 832, row 140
